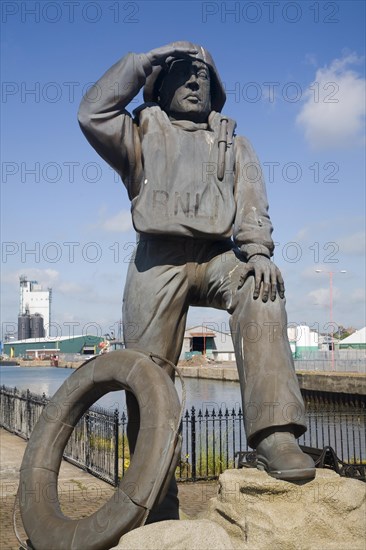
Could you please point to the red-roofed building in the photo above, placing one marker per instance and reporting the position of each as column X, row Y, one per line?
column 203, row 340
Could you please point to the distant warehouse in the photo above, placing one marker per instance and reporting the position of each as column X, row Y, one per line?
column 357, row 340
column 44, row 347
column 214, row 344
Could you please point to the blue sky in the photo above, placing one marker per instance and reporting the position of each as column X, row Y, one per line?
column 294, row 74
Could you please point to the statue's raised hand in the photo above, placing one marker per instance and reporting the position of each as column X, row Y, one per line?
column 175, row 50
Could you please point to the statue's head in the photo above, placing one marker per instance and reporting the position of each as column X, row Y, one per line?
column 187, row 88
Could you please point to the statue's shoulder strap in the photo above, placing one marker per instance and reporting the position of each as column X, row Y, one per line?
column 215, row 121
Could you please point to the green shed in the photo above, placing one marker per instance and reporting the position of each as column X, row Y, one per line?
column 86, row 344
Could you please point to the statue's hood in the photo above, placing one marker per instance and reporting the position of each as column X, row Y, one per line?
column 153, row 81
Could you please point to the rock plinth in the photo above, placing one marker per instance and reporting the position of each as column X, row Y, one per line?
column 177, row 535
column 260, row 512
column 253, row 511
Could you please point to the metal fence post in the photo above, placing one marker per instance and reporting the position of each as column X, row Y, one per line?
column 87, row 440
column 193, row 440
column 123, row 439
column 29, row 413
column 116, row 445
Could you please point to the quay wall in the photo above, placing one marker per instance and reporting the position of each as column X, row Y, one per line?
column 353, row 383
column 333, row 382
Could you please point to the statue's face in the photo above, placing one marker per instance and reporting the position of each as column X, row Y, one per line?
column 185, row 91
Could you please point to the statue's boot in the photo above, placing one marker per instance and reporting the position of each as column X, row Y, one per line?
column 281, row 457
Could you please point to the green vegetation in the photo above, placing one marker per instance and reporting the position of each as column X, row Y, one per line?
column 207, row 465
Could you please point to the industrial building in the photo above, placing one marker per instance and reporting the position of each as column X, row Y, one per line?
column 302, row 340
column 34, row 310
column 357, row 340
column 41, row 348
column 201, row 340
column 218, row 346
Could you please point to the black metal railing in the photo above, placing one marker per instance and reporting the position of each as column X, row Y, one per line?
column 93, row 444
column 211, row 439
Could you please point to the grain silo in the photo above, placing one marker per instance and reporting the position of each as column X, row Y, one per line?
column 36, row 326
column 24, row 326
column 35, row 300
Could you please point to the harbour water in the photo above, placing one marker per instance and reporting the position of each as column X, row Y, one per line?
column 201, row 394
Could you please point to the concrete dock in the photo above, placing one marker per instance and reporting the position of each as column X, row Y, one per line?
column 335, row 382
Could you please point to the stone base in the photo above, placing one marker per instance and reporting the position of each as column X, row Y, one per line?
column 260, row 512
column 253, row 511
column 177, row 535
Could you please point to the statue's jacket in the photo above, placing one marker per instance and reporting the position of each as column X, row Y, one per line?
column 170, row 168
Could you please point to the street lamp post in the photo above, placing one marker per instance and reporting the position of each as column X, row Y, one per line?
column 331, row 273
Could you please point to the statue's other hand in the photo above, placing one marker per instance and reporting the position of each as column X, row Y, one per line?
column 177, row 50
column 266, row 275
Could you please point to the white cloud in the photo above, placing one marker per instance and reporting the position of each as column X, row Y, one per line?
column 321, row 297
column 358, row 296
column 119, row 223
column 71, row 288
column 353, row 244
column 334, row 109
column 310, row 59
column 312, row 230
column 45, row 277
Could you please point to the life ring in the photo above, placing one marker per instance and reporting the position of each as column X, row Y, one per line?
column 153, row 463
